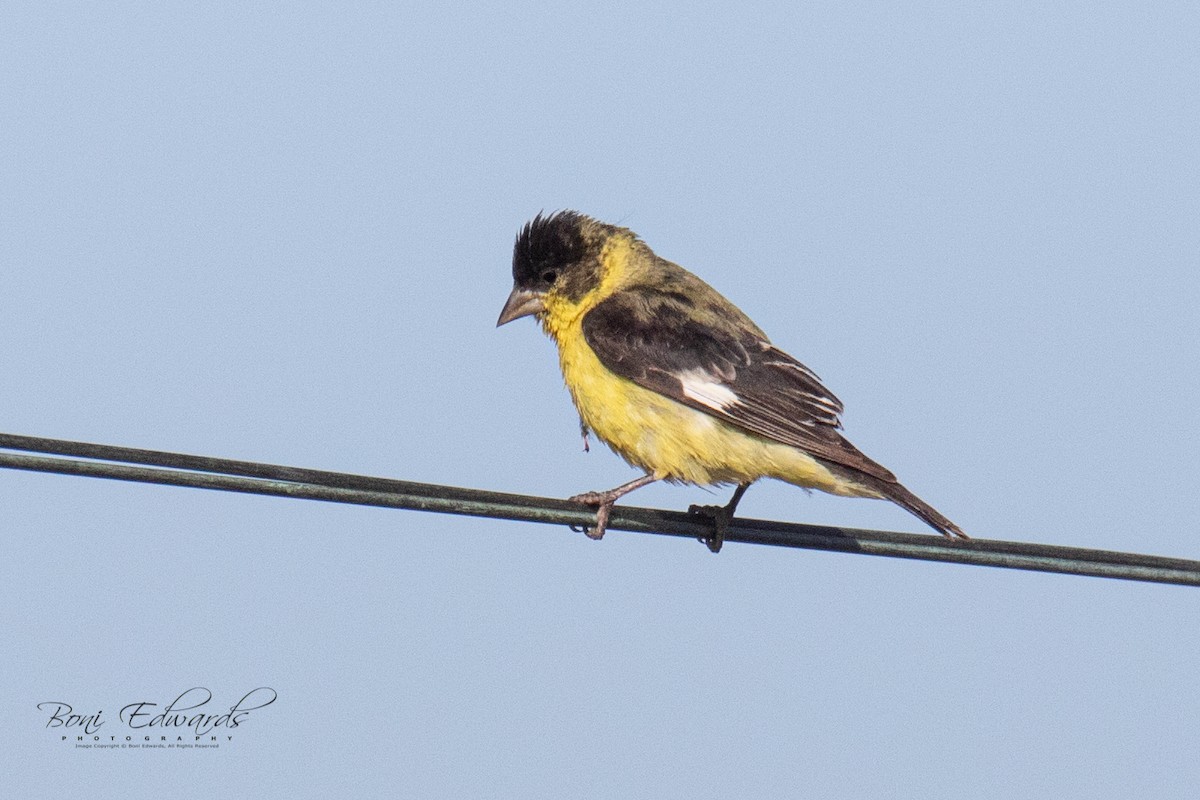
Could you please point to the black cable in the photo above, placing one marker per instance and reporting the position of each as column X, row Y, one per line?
column 178, row 469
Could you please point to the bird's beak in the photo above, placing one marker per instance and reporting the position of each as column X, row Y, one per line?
column 521, row 303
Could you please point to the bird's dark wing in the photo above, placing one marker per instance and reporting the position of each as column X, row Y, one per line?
column 712, row 359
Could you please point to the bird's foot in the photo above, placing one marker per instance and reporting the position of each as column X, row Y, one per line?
column 604, row 504
column 721, row 516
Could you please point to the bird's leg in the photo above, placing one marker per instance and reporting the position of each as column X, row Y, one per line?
column 583, row 429
column 721, row 517
column 605, row 500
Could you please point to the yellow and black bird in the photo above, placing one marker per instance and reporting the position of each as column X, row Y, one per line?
column 677, row 380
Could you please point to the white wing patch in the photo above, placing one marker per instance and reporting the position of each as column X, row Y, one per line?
column 701, row 387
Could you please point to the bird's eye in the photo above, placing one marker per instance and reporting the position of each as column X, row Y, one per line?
column 549, row 276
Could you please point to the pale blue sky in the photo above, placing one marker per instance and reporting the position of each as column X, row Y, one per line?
column 283, row 234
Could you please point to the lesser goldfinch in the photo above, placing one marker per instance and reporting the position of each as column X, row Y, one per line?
column 677, row 380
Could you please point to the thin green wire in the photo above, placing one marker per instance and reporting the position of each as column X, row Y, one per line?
column 204, row 472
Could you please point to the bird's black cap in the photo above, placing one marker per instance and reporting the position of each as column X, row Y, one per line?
column 547, row 245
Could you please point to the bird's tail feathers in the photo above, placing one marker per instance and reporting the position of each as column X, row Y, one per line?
column 894, row 491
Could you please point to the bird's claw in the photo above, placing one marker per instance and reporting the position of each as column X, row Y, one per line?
column 604, row 503
column 721, row 517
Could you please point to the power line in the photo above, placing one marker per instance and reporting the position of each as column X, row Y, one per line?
column 204, row 472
